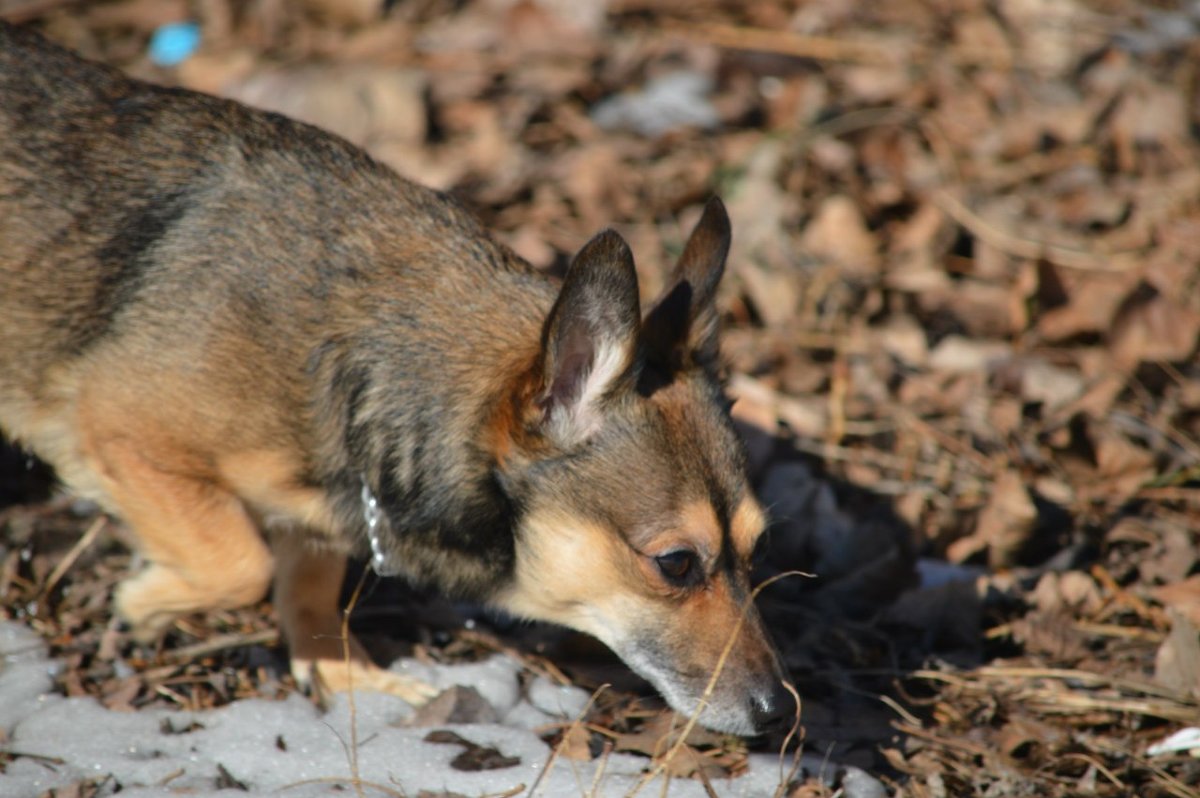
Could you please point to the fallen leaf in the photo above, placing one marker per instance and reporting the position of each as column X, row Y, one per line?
column 903, row 338
column 1181, row 598
column 1122, row 466
column 987, row 310
column 457, row 704
column 1069, row 591
column 1004, row 525
column 575, row 744
column 1150, row 326
column 1051, row 635
column 1172, row 556
column 346, row 12
column 1050, row 385
column 1147, row 115
column 120, row 699
column 475, row 757
column 363, row 104
column 838, row 235
column 1090, row 308
column 1021, row 734
column 1177, row 662
column 960, row 354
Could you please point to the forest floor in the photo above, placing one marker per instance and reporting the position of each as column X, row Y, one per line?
column 961, row 318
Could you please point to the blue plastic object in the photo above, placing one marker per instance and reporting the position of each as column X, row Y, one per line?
column 173, row 43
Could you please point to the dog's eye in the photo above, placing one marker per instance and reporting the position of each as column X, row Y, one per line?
column 679, row 567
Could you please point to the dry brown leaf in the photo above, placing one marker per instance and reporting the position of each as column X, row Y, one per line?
column 956, row 353
column 1070, row 591
column 212, row 72
column 916, row 272
column 121, row 697
column 363, row 104
column 987, row 310
column 1122, row 466
column 1049, row 385
column 1172, row 556
column 1050, row 39
column 346, row 12
column 576, row 744
column 1091, row 308
column 1024, row 732
column 1053, row 636
column 1004, row 525
column 1182, row 598
column 456, row 704
column 903, row 338
column 141, row 15
column 660, row 733
column 874, row 85
column 593, row 180
column 1005, row 415
column 838, row 235
column 978, row 35
column 1150, row 326
column 757, row 209
column 1148, row 115
column 1177, row 662
column 926, row 230
column 1100, row 396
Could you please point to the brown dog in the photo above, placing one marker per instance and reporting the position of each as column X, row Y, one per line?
column 222, row 324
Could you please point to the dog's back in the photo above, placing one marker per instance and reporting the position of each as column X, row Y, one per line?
column 201, row 252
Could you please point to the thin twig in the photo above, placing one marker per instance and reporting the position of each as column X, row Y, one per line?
column 794, row 731
column 1098, row 765
column 954, row 743
column 357, row 783
column 15, row 754
column 1188, row 495
column 819, row 48
column 1087, row 678
column 1169, row 782
column 354, row 771
column 557, row 750
column 65, row 563
column 601, row 768
column 1028, row 248
column 220, row 643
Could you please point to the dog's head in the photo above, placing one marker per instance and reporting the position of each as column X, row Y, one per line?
column 637, row 521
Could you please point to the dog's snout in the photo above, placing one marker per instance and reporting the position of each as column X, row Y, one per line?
column 773, row 709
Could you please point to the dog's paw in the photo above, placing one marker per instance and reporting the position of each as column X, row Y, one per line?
column 323, row 677
column 146, row 603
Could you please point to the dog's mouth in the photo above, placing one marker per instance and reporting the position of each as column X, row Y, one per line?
column 740, row 702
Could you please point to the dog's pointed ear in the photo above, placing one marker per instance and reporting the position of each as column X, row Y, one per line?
column 590, row 340
column 680, row 330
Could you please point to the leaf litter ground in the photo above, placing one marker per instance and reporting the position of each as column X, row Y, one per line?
column 961, row 315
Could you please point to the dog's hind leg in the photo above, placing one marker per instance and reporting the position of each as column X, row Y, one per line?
column 308, row 584
column 203, row 548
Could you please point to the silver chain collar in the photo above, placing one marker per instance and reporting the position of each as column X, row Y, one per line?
column 373, row 516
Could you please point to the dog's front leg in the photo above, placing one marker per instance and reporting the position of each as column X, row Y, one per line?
column 308, row 583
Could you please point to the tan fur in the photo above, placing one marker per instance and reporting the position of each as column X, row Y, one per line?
column 268, row 481
column 747, row 526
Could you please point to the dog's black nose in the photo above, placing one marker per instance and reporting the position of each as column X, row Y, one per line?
column 773, row 709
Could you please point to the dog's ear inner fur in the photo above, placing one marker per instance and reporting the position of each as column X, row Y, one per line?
column 589, row 342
